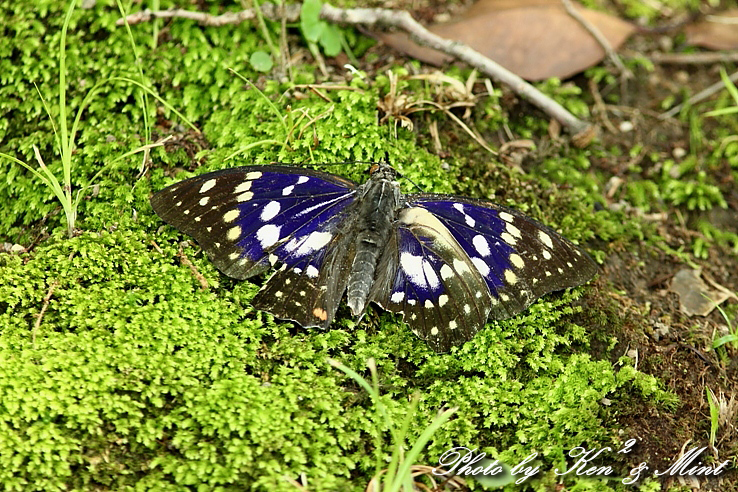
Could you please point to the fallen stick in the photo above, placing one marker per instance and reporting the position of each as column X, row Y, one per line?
column 581, row 130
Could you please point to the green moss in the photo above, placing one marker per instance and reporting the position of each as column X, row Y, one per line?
column 136, row 377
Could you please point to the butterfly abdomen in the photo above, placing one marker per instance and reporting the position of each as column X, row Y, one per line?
column 378, row 204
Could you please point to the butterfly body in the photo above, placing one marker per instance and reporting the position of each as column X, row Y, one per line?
column 446, row 263
column 378, row 203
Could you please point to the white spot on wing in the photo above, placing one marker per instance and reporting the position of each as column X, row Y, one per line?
column 546, row 254
column 452, row 324
column 254, row 175
column 287, row 190
column 428, row 304
column 231, row 215
column 397, row 296
column 442, row 300
column 460, row 266
column 514, row 231
column 508, row 239
column 270, row 211
column 545, row 238
column 311, row 271
column 430, row 274
column 207, row 185
column 245, row 197
column 510, row 277
column 517, row 261
column 268, row 235
column 204, row 200
column 313, row 242
column 481, row 266
column 506, row 217
column 446, row 272
column 302, row 179
column 244, row 186
column 233, row 233
column 481, row 244
column 434, row 331
column 413, row 267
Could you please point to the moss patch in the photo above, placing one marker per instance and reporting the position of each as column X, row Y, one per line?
column 119, row 370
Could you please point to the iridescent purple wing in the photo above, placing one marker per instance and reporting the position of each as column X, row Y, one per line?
column 454, row 261
column 519, row 258
column 249, row 218
column 427, row 277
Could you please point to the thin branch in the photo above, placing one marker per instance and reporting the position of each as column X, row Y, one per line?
column 699, row 97
column 44, row 307
column 403, row 20
column 703, row 58
column 199, row 276
column 270, row 11
column 390, row 18
column 599, row 37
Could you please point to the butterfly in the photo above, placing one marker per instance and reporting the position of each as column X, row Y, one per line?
column 446, row 263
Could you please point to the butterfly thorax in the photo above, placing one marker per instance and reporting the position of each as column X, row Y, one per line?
column 378, row 202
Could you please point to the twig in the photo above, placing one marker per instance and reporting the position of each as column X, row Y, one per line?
column 327, row 87
column 44, row 307
column 600, row 106
column 421, row 35
column 390, row 18
column 694, row 58
column 699, row 97
column 602, row 40
column 199, row 276
column 270, row 11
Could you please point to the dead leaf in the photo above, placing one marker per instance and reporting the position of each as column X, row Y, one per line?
column 536, row 39
column 716, row 32
column 695, row 297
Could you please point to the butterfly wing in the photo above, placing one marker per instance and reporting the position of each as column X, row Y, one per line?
column 519, row 258
column 249, row 218
column 426, row 276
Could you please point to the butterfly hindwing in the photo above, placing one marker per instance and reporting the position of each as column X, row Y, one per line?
column 519, row 258
column 308, row 287
column 432, row 282
column 249, row 217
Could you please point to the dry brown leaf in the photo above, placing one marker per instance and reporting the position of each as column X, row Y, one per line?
column 716, row 32
column 536, row 39
column 695, row 297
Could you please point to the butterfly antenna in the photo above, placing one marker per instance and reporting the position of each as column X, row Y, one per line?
column 400, row 175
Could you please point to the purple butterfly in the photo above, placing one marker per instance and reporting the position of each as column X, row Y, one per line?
column 444, row 262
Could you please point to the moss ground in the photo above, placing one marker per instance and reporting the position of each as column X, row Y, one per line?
column 128, row 362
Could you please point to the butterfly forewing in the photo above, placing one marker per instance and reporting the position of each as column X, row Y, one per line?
column 248, row 217
column 432, row 282
column 519, row 258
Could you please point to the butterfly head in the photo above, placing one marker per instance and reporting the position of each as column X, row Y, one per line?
column 382, row 170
